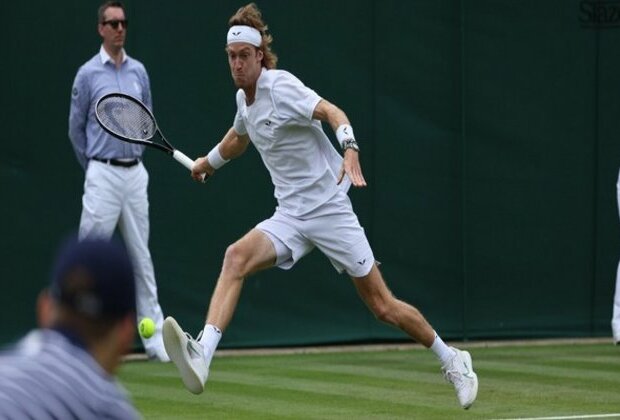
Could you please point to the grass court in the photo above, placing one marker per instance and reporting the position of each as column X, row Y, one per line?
column 572, row 379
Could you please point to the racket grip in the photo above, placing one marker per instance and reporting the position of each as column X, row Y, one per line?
column 185, row 161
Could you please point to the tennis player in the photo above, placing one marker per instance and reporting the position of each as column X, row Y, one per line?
column 282, row 118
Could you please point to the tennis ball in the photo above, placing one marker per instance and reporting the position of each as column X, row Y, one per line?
column 146, row 328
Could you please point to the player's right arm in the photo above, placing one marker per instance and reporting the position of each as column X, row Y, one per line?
column 232, row 146
column 328, row 112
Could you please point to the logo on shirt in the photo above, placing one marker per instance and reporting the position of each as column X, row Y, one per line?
column 362, row 262
column 268, row 123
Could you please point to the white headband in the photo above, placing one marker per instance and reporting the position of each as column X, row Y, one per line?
column 242, row 33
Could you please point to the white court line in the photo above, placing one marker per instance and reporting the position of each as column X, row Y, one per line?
column 584, row 416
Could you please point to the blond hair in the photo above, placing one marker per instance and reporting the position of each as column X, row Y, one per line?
column 249, row 15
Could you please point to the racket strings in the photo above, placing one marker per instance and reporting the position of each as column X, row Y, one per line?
column 126, row 118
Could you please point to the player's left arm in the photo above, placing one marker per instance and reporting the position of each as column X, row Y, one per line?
column 337, row 119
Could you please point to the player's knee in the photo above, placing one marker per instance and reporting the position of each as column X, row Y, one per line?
column 236, row 260
column 383, row 311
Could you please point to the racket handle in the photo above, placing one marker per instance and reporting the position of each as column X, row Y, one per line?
column 185, row 161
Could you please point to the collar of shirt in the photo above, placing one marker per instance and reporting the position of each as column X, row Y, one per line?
column 262, row 79
column 105, row 57
column 261, row 83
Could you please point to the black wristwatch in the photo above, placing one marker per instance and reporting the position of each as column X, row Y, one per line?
column 350, row 144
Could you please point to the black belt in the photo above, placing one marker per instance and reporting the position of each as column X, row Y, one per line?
column 116, row 162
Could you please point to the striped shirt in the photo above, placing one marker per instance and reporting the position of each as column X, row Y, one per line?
column 47, row 376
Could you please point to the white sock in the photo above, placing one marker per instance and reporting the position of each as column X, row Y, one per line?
column 210, row 339
column 443, row 352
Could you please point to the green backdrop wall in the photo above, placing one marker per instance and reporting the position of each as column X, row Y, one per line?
column 489, row 139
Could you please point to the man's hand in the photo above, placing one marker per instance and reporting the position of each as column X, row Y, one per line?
column 351, row 167
column 201, row 166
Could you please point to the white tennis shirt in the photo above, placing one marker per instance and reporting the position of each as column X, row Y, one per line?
column 301, row 159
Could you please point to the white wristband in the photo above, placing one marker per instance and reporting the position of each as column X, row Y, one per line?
column 215, row 159
column 344, row 132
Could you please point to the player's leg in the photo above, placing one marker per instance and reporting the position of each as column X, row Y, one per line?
column 134, row 227
column 276, row 241
column 339, row 235
column 101, row 202
column 380, row 300
column 456, row 364
column 336, row 231
column 253, row 252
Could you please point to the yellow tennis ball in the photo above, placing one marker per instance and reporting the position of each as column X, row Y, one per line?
column 146, row 328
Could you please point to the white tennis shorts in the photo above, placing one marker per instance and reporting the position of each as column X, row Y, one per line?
column 333, row 228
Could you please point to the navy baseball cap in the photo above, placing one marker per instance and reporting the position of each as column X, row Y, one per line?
column 95, row 278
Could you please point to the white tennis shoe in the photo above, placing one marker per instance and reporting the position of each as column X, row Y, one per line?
column 187, row 354
column 459, row 371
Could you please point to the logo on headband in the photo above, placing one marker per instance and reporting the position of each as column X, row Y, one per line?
column 244, row 33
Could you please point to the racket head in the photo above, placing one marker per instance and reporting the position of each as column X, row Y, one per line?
column 126, row 118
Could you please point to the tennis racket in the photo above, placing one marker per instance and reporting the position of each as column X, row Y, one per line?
column 128, row 119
